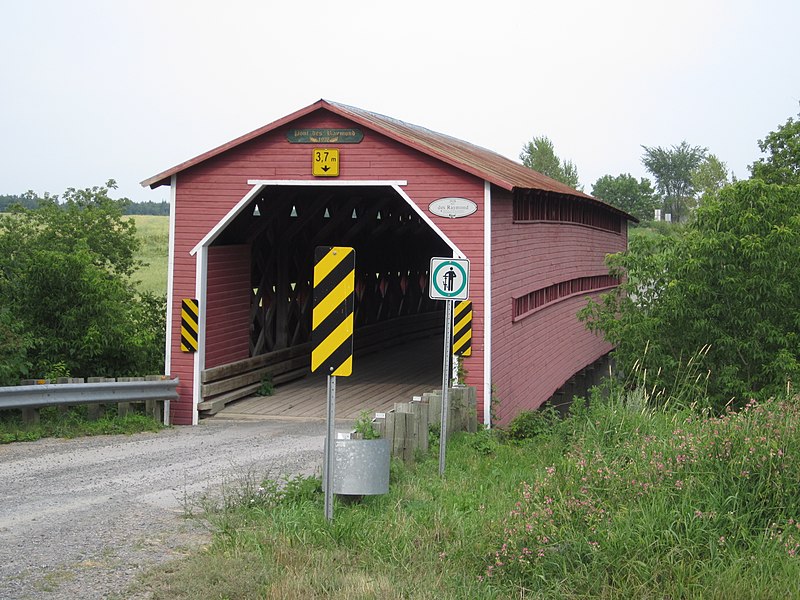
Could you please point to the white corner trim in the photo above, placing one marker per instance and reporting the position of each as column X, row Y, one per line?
column 170, row 273
column 173, row 193
column 201, row 280
column 457, row 253
column 223, row 223
column 487, row 304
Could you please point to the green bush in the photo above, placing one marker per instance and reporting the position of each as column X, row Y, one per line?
column 65, row 281
column 722, row 294
column 531, row 423
column 364, row 428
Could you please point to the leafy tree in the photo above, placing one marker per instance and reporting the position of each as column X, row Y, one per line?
column 14, row 346
column 65, row 280
column 540, row 155
column 730, row 281
column 782, row 165
column 710, row 176
column 672, row 169
column 623, row 191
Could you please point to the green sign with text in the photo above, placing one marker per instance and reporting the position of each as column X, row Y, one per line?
column 324, row 136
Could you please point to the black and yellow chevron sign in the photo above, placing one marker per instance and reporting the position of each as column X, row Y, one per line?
column 189, row 312
column 332, row 317
column 462, row 328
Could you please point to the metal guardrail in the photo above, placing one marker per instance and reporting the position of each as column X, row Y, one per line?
column 70, row 394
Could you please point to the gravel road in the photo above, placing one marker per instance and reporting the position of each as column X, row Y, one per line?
column 82, row 518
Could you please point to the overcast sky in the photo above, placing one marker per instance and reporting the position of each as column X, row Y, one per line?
column 93, row 90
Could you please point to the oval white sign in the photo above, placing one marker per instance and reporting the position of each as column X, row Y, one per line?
column 452, row 208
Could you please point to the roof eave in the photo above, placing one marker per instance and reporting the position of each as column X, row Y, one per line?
column 164, row 177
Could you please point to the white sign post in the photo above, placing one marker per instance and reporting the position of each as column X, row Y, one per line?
column 449, row 282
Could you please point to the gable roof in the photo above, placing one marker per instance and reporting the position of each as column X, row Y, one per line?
column 485, row 164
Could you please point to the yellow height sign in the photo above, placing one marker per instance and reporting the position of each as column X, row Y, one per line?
column 189, row 312
column 462, row 328
column 325, row 162
column 332, row 317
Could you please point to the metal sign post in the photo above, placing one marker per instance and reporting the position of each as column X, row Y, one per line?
column 330, row 445
column 332, row 337
column 445, row 385
column 449, row 282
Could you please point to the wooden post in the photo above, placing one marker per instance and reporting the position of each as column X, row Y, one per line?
column 423, row 424
column 434, row 401
column 96, row 411
column 398, row 442
column 30, row 416
column 472, row 408
column 389, row 425
column 123, row 408
column 153, row 407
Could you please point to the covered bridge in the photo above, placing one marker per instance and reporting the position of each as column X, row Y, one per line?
column 246, row 216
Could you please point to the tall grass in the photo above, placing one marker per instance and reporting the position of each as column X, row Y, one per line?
column 617, row 501
column 70, row 423
column 153, row 231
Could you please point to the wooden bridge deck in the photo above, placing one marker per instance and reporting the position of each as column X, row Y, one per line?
column 378, row 381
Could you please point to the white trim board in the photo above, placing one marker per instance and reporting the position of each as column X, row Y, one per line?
column 173, row 193
column 201, row 293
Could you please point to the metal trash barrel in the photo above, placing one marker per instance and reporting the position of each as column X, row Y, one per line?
column 362, row 467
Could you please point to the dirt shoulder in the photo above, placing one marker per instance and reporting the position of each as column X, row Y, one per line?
column 81, row 518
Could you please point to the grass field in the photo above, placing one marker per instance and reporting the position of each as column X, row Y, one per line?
column 154, row 233
column 618, row 501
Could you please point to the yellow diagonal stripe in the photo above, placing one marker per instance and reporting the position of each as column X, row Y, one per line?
column 460, row 306
column 467, row 318
column 189, row 337
column 329, row 345
column 191, row 304
column 334, row 299
column 189, row 320
column 458, row 343
column 346, row 369
column 334, row 256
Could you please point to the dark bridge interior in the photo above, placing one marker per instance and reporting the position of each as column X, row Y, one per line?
column 284, row 224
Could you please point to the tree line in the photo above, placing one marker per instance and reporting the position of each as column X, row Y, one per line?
column 31, row 200
column 683, row 174
column 708, row 311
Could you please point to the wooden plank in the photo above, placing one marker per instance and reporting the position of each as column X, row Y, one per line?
column 226, row 385
column 212, row 407
column 378, row 381
column 263, row 360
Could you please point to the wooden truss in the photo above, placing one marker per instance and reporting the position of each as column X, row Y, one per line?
column 393, row 249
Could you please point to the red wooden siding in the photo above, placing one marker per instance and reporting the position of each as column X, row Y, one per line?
column 206, row 192
column 534, row 356
column 228, row 300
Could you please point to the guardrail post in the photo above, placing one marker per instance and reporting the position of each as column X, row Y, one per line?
column 123, row 408
column 30, row 416
column 63, row 410
column 97, row 411
column 153, row 407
